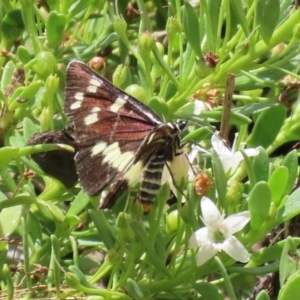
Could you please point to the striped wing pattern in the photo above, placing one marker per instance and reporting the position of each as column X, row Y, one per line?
column 118, row 137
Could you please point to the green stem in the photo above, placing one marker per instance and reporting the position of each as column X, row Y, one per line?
column 226, row 278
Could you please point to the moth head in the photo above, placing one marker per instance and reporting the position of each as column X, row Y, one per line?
column 180, row 125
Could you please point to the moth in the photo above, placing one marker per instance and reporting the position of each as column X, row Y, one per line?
column 120, row 139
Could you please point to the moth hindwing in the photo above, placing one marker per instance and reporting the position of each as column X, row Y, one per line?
column 119, row 138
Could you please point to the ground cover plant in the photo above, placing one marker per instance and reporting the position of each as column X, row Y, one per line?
column 223, row 226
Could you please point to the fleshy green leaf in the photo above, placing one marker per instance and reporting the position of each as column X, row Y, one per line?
column 291, row 206
column 267, row 127
column 261, row 165
column 267, row 15
column 277, row 183
column 191, row 27
column 239, row 13
column 291, row 163
column 259, row 204
column 55, row 28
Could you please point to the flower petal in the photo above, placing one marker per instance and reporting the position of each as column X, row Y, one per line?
column 229, row 162
column 236, row 222
column 219, row 146
column 210, row 212
column 206, row 252
column 251, row 152
column 234, row 248
column 199, row 237
column 199, row 106
column 236, row 159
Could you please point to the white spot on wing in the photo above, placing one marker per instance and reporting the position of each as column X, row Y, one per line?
column 123, row 160
column 96, row 82
column 91, row 89
column 79, row 96
column 98, row 148
column 93, row 85
column 119, row 103
column 134, row 173
column 91, row 119
column 95, row 109
column 111, row 152
column 75, row 105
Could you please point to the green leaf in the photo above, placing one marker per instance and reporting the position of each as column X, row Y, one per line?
column 288, row 261
column 134, row 290
column 78, row 204
column 104, row 229
column 250, row 171
column 277, row 183
column 159, row 106
column 267, row 16
column 55, row 28
column 291, row 163
column 198, row 135
column 7, row 154
column 261, row 165
column 143, row 237
column 239, row 13
column 12, row 25
column 207, row 291
column 291, row 206
column 10, row 219
column 263, row 295
column 290, row 289
column 212, row 22
column 267, row 127
column 191, row 27
column 220, row 178
column 34, row 226
column 259, row 204
column 23, row 54
column 271, row 253
column 30, row 128
column 7, row 75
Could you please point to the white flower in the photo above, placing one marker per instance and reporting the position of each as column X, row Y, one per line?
column 218, row 234
column 230, row 159
column 199, row 107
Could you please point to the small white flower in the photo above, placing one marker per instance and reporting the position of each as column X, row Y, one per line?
column 230, row 159
column 199, row 107
column 218, row 234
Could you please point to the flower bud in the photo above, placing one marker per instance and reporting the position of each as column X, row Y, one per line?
column 120, row 26
column 146, row 42
column 137, row 92
column 23, row 54
column 234, row 193
column 122, row 77
column 124, row 229
column 97, row 63
column 173, row 31
column 45, row 64
column 172, row 220
column 52, row 83
column 44, row 119
column 202, row 70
